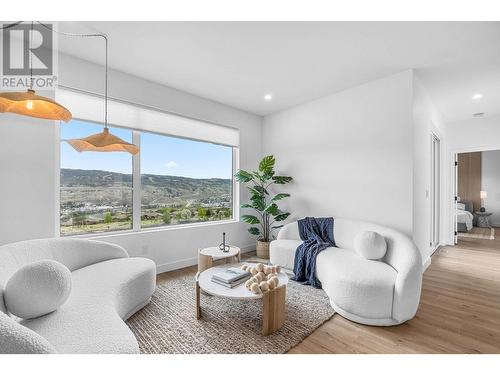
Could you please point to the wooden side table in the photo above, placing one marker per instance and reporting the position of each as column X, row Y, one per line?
column 207, row 255
column 483, row 220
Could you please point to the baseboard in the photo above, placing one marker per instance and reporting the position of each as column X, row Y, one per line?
column 188, row 262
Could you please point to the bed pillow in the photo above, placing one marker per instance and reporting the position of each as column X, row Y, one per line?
column 370, row 245
column 37, row 289
column 461, row 206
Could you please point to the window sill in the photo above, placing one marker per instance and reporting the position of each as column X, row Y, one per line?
column 149, row 230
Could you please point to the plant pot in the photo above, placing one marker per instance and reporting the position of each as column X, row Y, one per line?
column 263, row 249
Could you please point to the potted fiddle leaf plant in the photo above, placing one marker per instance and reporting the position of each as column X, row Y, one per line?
column 267, row 215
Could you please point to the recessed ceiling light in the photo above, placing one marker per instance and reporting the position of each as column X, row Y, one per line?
column 268, row 97
column 478, row 114
column 477, row 96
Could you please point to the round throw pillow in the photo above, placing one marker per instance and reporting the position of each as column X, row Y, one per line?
column 37, row 289
column 370, row 245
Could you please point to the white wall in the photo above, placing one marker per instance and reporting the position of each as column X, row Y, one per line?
column 27, row 178
column 474, row 134
column 29, row 174
column 426, row 120
column 350, row 153
column 490, row 182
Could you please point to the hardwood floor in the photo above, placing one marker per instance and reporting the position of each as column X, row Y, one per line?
column 459, row 310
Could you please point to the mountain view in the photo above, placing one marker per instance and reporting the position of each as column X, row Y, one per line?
column 97, row 200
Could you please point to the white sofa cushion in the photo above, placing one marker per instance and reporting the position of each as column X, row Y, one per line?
column 103, row 296
column 370, row 245
column 37, row 289
column 355, row 284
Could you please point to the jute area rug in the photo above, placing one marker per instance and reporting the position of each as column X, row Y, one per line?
column 476, row 232
column 168, row 324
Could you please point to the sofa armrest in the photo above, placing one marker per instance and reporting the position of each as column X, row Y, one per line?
column 405, row 258
column 17, row 339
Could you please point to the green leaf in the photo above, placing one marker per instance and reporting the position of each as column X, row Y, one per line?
column 266, row 165
column 253, row 230
column 282, row 216
column 250, row 219
column 282, row 179
column 279, row 196
column 243, row 176
column 262, row 190
column 258, row 203
column 272, row 209
column 256, row 192
column 246, row 205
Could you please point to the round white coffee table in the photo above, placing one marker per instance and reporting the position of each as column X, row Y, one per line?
column 207, row 255
column 273, row 302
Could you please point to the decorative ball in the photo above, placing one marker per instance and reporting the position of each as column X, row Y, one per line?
column 278, row 269
column 267, row 270
column 275, row 280
column 259, row 267
column 264, row 286
column 255, row 288
column 271, row 284
column 263, row 275
column 274, row 269
column 253, row 271
column 254, row 279
column 248, row 283
column 244, row 267
column 258, row 277
column 271, row 275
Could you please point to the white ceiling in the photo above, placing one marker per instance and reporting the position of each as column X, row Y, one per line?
column 237, row 63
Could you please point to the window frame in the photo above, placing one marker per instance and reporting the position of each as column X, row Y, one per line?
column 137, row 189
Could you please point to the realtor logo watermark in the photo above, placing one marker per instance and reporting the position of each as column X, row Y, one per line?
column 28, row 63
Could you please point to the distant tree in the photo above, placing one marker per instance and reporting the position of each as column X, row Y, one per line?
column 108, row 218
column 167, row 218
column 202, row 213
column 185, row 214
column 208, row 212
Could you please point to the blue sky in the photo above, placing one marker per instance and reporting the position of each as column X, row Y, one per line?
column 159, row 154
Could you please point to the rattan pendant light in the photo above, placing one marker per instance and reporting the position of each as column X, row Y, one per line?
column 104, row 141
column 29, row 103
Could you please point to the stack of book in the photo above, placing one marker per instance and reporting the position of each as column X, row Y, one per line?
column 230, row 277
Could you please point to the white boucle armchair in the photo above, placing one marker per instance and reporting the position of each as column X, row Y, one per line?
column 374, row 292
column 108, row 286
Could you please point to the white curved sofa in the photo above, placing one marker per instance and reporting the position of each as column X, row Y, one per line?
column 107, row 288
column 374, row 292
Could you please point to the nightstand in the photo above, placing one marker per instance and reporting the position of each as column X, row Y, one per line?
column 483, row 220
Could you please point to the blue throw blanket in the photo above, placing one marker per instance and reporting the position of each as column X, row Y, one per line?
column 317, row 234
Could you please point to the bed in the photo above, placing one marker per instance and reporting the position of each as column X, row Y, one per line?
column 465, row 218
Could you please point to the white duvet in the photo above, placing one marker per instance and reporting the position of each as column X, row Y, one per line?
column 465, row 217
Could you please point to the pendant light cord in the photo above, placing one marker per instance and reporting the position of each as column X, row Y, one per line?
column 97, row 35
column 8, row 26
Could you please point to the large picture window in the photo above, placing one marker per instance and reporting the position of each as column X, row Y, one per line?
column 181, row 181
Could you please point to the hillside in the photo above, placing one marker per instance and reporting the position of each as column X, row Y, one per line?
column 77, row 185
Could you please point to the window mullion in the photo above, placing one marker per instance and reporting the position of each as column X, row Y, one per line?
column 136, row 183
